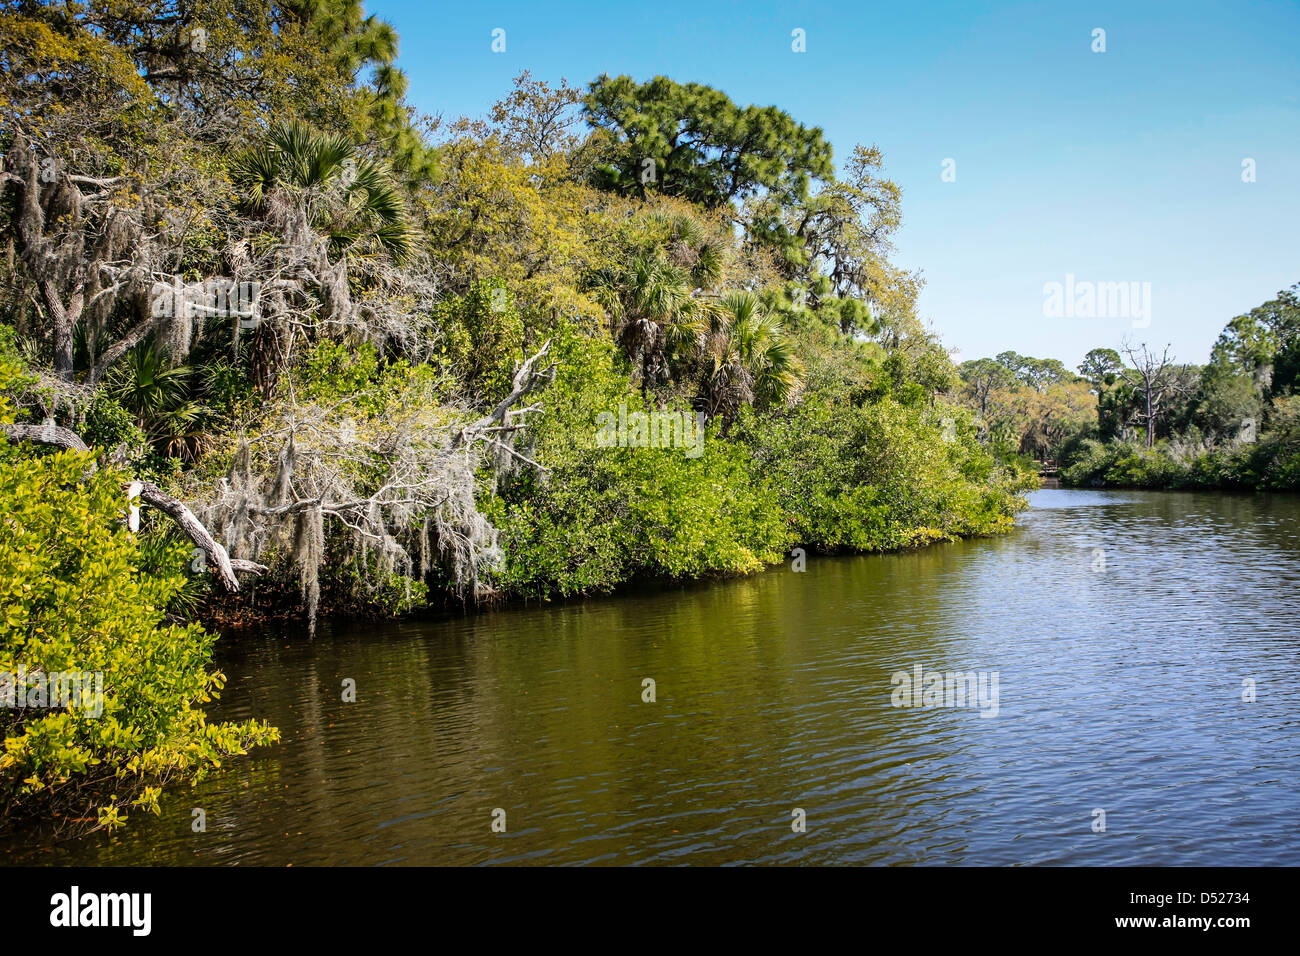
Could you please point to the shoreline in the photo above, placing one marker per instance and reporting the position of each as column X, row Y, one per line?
column 226, row 626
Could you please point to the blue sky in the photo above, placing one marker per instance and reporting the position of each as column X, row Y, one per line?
column 1122, row 166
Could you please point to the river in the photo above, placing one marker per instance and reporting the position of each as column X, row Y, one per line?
column 1121, row 626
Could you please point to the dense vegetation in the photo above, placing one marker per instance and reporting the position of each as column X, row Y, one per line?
column 1140, row 419
column 84, row 596
column 360, row 356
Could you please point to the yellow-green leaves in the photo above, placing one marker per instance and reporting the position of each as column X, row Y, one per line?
column 76, row 603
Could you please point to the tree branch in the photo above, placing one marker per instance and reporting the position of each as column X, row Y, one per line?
column 54, row 435
column 526, row 379
column 150, row 494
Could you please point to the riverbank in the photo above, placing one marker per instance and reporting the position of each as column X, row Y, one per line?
column 1272, row 464
column 773, row 692
column 283, row 611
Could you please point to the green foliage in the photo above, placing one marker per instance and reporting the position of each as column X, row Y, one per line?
column 1226, row 425
column 1226, row 397
column 1100, row 366
column 1123, row 464
column 656, row 319
column 367, row 214
column 226, row 387
column 822, row 472
column 835, row 243
column 703, row 147
column 109, row 424
column 14, row 377
column 1271, row 464
column 78, row 594
column 331, row 372
column 354, row 379
column 606, row 514
column 748, row 358
column 483, row 338
column 1036, row 408
column 159, row 396
column 882, row 475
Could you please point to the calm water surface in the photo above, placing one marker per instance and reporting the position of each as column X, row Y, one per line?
column 1120, row 688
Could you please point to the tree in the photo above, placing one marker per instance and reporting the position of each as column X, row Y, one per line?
column 982, row 377
column 393, row 474
column 1282, row 317
column 1027, row 405
column 491, row 216
column 1247, row 345
column 79, row 248
column 325, row 233
column 836, row 242
column 1046, row 417
column 538, row 122
column 1033, row 372
column 1100, row 366
column 657, row 320
column 1155, row 380
column 85, row 596
column 353, row 201
column 1256, row 357
column 747, row 359
column 159, row 396
column 1047, row 372
column 691, row 140
column 232, row 66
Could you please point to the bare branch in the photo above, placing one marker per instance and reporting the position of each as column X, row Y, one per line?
column 150, row 494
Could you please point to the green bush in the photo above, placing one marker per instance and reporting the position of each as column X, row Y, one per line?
column 79, row 595
column 882, row 475
column 823, row 472
column 483, row 338
column 109, row 424
column 602, row 515
column 1272, row 464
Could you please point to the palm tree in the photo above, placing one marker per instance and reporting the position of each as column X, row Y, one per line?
column 353, row 200
column 655, row 317
column 158, row 395
column 747, row 358
column 689, row 247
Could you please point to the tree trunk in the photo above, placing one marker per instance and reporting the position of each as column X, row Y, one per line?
column 61, row 326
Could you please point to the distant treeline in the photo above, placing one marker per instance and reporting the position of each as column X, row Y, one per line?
column 1137, row 418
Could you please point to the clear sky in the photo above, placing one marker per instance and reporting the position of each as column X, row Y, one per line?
column 1122, row 166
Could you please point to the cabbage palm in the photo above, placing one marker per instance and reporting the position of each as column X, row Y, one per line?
column 354, row 201
column 690, row 248
column 748, row 359
column 655, row 318
column 158, row 395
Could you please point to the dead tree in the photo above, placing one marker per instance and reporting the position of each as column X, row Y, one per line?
column 1154, row 379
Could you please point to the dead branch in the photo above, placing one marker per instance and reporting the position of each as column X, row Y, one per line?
column 153, row 496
